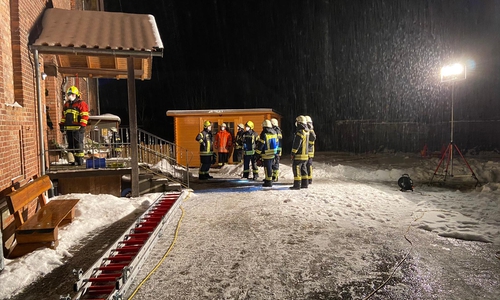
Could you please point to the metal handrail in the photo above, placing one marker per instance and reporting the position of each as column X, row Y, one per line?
column 153, row 150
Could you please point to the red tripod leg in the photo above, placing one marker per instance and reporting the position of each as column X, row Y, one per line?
column 441, row 161
column 467, row 164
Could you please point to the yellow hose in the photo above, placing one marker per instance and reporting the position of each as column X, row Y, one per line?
column 164, row 256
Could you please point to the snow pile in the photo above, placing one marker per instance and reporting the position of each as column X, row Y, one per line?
column 350, row 201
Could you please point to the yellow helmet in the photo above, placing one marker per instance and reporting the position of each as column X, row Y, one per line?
column 73, row 90
column 250, row 124
column 267, row 124
column 206, row 124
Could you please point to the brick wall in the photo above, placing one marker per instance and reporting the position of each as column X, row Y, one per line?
column 19, row 145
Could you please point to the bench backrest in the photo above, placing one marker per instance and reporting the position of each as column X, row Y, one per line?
column 21, row 197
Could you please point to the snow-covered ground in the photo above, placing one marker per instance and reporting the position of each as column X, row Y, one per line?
column 336, row 240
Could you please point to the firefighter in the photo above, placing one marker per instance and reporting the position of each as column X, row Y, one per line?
column 74, row 120
column 312, row 139
column 238, row 144
column 206, row 150
column 249, row 139
column 266, row 149
column 276, row 163
column 223, row 143
column 299, row 156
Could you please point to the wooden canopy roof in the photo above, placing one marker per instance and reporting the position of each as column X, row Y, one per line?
column 96, row 44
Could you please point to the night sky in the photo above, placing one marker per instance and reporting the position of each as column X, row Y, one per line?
column 354, row 66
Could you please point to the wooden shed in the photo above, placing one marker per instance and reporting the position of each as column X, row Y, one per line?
column 188, row 123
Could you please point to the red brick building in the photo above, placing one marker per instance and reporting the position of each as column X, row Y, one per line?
column 46, row 47
column 19, row 105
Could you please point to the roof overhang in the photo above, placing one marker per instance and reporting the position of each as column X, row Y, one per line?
column 106, row 117
column 97, row 44
column 219, row 112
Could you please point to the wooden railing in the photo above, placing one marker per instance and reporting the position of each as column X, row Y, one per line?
column 155, row 154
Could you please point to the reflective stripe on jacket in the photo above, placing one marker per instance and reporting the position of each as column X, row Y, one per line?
column 300, row 145
column 249, row 139
column 238, row 140
column 75, row 115
column 205, row 140
column 312, row 139
column 267, row 145
column 280, row 139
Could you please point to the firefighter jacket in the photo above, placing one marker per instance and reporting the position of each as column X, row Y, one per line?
column 300, row 144
column 75, row 115
column 267, row 144
column 238, row 139
column 249, row 139
column 312, row 139
column 223, row 141
column 280, row 139
column 206, row 145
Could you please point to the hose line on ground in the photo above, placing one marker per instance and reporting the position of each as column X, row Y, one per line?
column 400, row 262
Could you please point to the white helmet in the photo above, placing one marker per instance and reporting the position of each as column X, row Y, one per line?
column 223, row 125
column 301, row 120
column 308, row 119
column 274, row 122
column 267, row 124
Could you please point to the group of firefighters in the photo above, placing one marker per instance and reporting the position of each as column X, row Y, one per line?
column 254, row 149
column 260, row 150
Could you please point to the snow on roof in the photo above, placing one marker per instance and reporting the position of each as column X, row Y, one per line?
column 106, row 117
column 218, row 111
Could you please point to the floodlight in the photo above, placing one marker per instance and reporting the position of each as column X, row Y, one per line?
column 453, row 72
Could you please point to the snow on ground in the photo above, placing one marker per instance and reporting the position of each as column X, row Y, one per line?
column 353, row 200
column 92, row 212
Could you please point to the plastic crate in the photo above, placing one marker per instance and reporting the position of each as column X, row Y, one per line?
column 96, row 163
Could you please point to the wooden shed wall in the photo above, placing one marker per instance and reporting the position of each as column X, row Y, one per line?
column 187, row 127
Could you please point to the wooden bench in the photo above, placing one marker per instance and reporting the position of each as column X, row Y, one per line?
column 41, row 229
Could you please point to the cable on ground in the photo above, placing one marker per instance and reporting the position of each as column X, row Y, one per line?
column 164, row 256
column 400, row 262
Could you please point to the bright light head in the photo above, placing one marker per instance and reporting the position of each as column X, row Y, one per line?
column 453, row 72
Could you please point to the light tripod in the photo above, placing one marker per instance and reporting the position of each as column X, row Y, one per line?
column 452, row 73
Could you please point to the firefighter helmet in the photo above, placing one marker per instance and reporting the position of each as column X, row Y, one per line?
column 223, row 125
column 267, row 124
column 73, row 90
column 250, row 124
column 308, row 119
column 206, row 124
column 241, row 126
column 301, row 120
column 274, row 122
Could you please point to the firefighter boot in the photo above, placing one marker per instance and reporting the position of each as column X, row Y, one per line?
column 79, row 160
column 296, row 185
column 275, row 175
column 304, row 183
column 202, row 177
column 267, row 183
